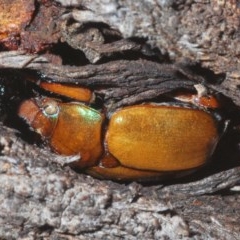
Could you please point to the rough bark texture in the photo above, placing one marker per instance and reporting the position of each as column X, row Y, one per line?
column 123, row 44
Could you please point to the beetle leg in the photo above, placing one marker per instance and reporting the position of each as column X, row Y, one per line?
column 72, row 91
column 122, row 173
column 109, row 161
column 200, row 99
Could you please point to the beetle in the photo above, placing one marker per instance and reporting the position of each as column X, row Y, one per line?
column 141, row 142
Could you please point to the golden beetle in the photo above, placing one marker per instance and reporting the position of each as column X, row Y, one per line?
column 139, row 142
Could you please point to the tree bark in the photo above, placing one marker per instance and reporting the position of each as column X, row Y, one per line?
column 124, row 51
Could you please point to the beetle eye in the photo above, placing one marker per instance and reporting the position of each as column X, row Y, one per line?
column 50, row 108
